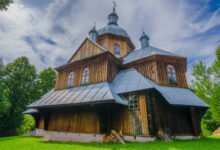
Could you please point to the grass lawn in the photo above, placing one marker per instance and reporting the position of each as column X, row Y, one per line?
column 36, row 143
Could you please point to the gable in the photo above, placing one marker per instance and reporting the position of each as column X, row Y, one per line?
column 87, row 49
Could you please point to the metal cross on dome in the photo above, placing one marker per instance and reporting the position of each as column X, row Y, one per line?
column 114, row 4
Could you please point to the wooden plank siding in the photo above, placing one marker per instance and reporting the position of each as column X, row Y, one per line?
column 41, row 123
column 132, row 122
column 108, row 42
column 156, row 71
column 174, row 120
column 97, row 73
column 87, row 49
column 162, row 75
column 75, row 121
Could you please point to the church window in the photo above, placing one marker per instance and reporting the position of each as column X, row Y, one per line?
column 116, row 49
column 85, row 77
column 171, row 74
column 71, row 79
column 133, row 102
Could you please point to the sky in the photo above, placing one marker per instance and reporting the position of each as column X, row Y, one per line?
column 48, row 32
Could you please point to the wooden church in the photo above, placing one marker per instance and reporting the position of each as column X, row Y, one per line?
column 108, row 84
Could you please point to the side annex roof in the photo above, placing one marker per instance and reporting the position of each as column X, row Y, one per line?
column 145, row 52
column 87, row 94
column 130, row 80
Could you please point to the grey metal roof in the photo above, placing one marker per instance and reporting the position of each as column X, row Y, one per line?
column 145, row 52
column 180, row 96
column 130, row 80
column 113, row 29
column 30, row 111
column 100, row 92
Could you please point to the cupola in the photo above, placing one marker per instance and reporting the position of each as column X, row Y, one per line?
column 113, row 18
column 93, row 34
column 144, row 40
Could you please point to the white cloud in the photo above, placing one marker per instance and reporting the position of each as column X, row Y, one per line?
column 177, row 26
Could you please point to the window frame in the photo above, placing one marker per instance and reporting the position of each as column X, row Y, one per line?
column 85, row 76
column 70, row 82
column 171, row 72
column 117, row 52
column 130, row 98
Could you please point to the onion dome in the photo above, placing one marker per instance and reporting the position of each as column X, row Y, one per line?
column 144, row 40
column 93, row 34
column 112, row 26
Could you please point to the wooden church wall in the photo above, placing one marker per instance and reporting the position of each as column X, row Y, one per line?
column 157, row 72
column 97, row 73
column 175, row 120
column 75, row 121
column 108, row 42
column 41, row 123
column 112, row 71
column 132, row 122
column 163, row 75
column 87, row 49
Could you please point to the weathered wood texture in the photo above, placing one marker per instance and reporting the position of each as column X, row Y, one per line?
column 112, row 71
column 132, row 122
column 156, row 70
column 76, row 121
column 87, row 49
column 163, row 75
column 108, row 42
column 175, row 120
column 97, row 73
column 41, row 123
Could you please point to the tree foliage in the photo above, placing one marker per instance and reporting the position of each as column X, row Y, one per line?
column 45, row 81
column 5, row 3
column 19, row 86
column 207, row 86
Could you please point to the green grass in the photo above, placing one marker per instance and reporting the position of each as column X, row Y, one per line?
column 36, row 143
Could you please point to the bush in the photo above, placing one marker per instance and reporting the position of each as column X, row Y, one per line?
column 28, row 125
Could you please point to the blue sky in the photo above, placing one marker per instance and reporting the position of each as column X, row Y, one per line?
column 49, row 31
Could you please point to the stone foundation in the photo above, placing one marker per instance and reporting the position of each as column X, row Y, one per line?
column 71, row 137
column 188, row 137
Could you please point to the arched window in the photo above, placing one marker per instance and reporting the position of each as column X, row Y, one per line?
column 171, row 74
column 116, row 49
column 71, row 79
column 85, row 77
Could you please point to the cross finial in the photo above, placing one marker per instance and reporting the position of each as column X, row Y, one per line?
column 114, row 4
column 94, row 23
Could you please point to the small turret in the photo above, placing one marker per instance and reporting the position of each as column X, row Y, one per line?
column 113, row 17
column 93, row 34
column 144, row 40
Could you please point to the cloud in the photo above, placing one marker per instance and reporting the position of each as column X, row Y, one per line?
column 49, row 31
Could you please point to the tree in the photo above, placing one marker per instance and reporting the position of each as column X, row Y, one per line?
column 5, row 3
column 45, row 81
column 207, row 86
column 19, row 86
column 18, row 79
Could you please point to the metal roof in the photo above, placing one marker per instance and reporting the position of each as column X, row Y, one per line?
column 180, row 96
column 113, row 29
column 30, row 111
column 145, row 52
column 130, row 80
column 93, row 93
